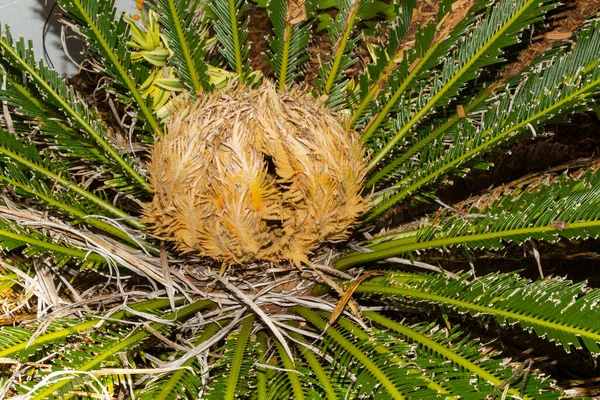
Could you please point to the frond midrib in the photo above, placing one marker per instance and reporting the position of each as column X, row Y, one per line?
column 386, row 290
column 185, row 48
column 389, row 249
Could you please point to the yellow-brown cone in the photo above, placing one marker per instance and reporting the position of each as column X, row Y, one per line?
column 248, row 175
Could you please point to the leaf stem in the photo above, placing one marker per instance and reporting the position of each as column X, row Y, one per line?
column 291, row 369
column 341, row 45
column 238, row 358
column 239, row 66
column 287, row 39
column 316, row 367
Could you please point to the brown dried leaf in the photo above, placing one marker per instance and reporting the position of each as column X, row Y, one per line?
column 296, row 12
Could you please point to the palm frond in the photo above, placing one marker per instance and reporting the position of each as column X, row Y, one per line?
column 288, row 46
column 462, row 365
column 232, row 32
column 448, row 127
column 567, row 83
column 293, row 379
column 80, row 211
column 331, row 80
column 568, row 208
column 27, row 158
column 183, row 382
column 51, row 127
column 232, row 375
column 16, row 343
column 106, row 38
column 64, row 100
column 553, row 308
column 388, row 59
column 107, row 346
column 183, row 31
column 35, row 244
column 372, row 377
column 481, row 46
column 322, row 372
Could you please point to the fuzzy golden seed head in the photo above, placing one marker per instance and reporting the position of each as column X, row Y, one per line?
column 255, row 174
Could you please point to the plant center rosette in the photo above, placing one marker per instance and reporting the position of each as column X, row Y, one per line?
column 255, row 174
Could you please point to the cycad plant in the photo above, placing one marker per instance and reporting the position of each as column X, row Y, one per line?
column 199, row 228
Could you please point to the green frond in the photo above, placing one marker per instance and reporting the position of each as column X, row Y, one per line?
column 106, row 348
column 27, row 158
column 291, row 376
column 181, row 383
column 306, row 380
column 232, row 376
column 448, row 127
column 397, row 353
column 315, row 367
column 405, row 75
column 288, row 47
column 15, row 342
column 261, row 373
column 34, row 243
column 80, row 211
column 388, row 60
column 331, row 80
column 472, row 373
column 568, row 208
column 481, row 46
column 182, row 30
column 371, row 378
column 231, row 32
column 52, row 129
column 64, row 100
column 107, row 39
column 59, row 140
column 562, row 85
column 19, row 179
column 554, row 308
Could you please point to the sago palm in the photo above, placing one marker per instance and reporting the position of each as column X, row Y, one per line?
column 199, row 228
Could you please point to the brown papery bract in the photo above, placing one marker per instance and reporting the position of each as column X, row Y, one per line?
column 255, row 174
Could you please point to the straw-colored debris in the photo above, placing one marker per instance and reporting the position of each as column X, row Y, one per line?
column 247, row 175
